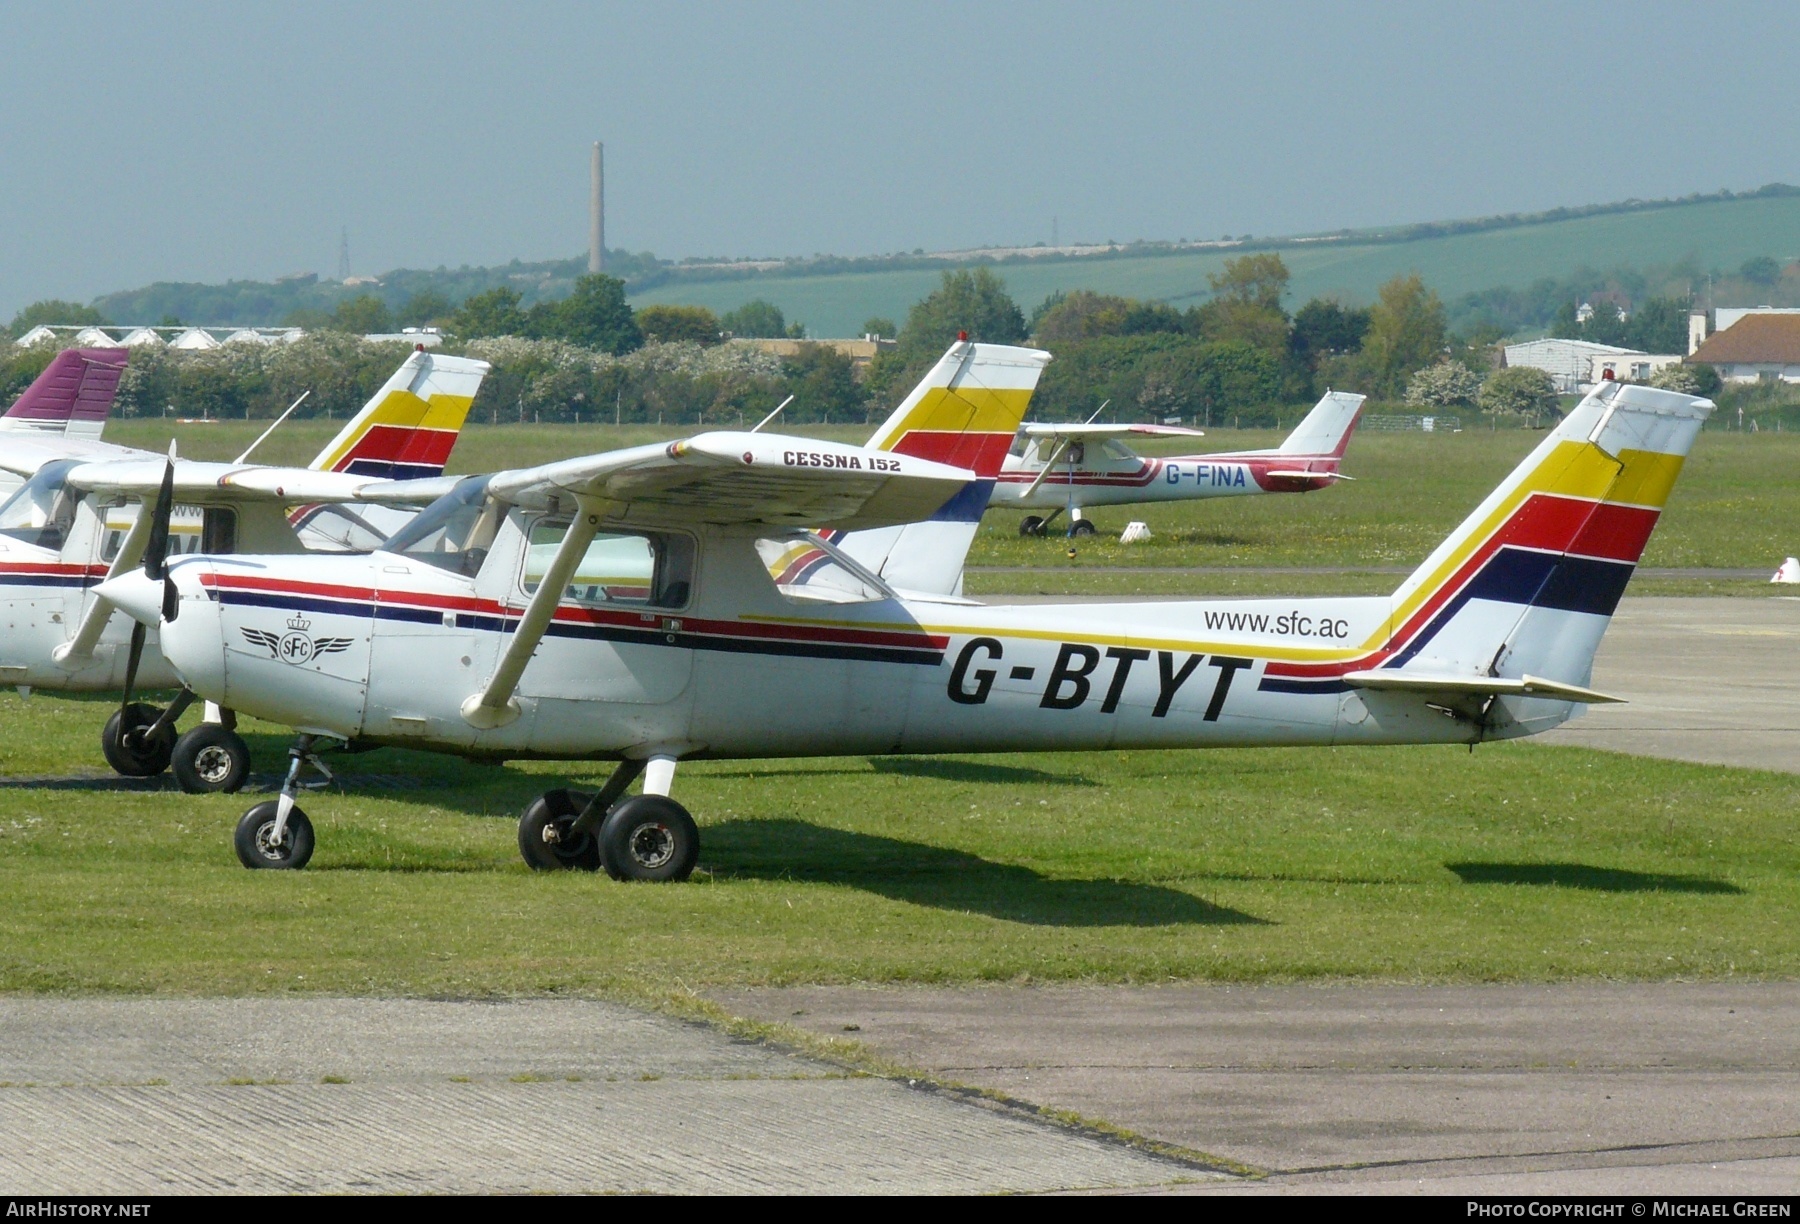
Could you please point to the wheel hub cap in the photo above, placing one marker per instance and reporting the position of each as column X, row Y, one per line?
column 266, row 845
column 212, row 764
column 652, row 846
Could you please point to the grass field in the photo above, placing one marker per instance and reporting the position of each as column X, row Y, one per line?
column 1516, row 862
column 1716, row 234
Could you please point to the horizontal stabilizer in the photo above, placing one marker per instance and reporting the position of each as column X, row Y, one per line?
column 1296, row 475
column 1475, row 686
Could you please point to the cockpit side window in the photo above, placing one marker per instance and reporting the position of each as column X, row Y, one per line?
column 806, row 569
column 454, row 532
column 633, row 569
column 43, row 509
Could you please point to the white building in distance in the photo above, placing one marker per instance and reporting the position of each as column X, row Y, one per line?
column 1569, row 363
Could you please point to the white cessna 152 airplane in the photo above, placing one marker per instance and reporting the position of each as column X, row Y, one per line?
column 638, row 606
column 69, row 527
column 1073, row 467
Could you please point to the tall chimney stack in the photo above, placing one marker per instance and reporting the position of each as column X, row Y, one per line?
column 597, row 213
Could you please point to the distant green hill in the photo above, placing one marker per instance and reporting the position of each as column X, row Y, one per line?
column 834, row 296
column 1713, row 234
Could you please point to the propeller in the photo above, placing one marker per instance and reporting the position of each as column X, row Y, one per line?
column 156, row 548
column 156, row 555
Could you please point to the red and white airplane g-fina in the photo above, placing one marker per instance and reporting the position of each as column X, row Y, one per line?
column 1075, row 467
column 641, row 606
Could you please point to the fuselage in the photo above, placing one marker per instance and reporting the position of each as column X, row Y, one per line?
column 385, row 648
column 1110, row 474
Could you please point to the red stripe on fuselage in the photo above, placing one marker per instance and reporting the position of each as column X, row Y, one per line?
column 52, row 569
column 646, row 618
column 401, row 444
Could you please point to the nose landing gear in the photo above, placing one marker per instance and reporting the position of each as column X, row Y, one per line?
column 275, row 834
column 646, row 837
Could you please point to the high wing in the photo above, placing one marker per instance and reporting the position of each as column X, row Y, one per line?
column 200, row 483
column 724, row 479
column 737, row 477
column 1075, row 431
column 23, row 454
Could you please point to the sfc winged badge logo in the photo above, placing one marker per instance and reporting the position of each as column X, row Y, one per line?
column 295, row 646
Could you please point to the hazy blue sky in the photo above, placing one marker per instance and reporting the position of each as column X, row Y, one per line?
column 207, row 141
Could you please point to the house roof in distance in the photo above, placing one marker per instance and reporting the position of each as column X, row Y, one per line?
column 1772, row 339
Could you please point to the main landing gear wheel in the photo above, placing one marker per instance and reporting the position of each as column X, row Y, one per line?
column 1033, row 525
column 649, row 837
column 258, row 847
column 209, row 759
column 1081, row 527
column 129, row 750
column 546, row 840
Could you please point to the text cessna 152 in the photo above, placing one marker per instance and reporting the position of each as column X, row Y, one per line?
column 1074, row 467
column 638, row 606
column 69, row 526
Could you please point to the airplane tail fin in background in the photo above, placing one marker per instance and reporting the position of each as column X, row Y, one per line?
column 406, row 431
column 73, row 395
column 964, row 412
column 1326, row 430
column 1514, row 602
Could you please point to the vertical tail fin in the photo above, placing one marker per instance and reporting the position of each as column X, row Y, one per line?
column 1529, row 581
column 1326, row 430
column 964, row 412
column 1521, row 592
column 72, row 396
column 406, row 431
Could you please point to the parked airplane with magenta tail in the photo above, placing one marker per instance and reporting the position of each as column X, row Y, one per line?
column 640, row 606
column 72, row 524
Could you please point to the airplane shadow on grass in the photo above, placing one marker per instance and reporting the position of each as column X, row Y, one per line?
column 946, row 879
column 919, row 767
column 1582, row 875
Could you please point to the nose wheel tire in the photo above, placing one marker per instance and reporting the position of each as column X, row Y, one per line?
column 210, row 760
column 1032, row 525
column 545, row 840
column 127, row 747
column 255, row 839
column 1081, row 527
column 649, row 837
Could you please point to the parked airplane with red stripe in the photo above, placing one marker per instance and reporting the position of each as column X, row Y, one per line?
column 642, row 606
column 65, row 530
column 1075, row 467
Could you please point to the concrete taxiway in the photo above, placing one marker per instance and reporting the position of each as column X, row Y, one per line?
column 1615, row 1088
column 1710, row 680
column 136, row 1096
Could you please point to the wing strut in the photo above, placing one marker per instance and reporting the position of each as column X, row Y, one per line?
column 494, row 706
column 1050, row 464
column 78, row 651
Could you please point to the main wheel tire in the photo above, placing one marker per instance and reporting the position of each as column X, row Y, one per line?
column 1081, row 527
column 256, row 848
column 544, row 838
column 649, row 837
column 128, row 750
column 1033, row 525
column 210, row 760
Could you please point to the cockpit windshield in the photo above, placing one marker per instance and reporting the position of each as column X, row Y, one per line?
column 43, row 509
column 454, row 532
